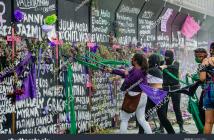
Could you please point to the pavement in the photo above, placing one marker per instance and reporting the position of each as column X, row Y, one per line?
column 189, row 125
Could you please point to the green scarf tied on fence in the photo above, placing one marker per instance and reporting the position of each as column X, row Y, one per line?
column 114, row 62
column 70, row 100
column 92, row 66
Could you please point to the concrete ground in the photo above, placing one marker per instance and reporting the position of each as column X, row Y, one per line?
column 189, row 126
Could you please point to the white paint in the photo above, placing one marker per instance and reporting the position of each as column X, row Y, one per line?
column 72, row 31
column 25, row 123
column 147, row 14
column 72, row 26
column 29, row 30
column 2, row 21
column 31, row 4
column 27, row 113
column 129, row 10
column 78, row 90
column 30, row 103
column 124, row 17
column 33, row 18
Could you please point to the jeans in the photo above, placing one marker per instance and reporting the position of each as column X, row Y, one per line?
column 140, row 114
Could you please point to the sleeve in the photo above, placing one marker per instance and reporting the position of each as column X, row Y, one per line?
column 133, row 78
column 174, row 66
column 119, row 72
column 130, row 80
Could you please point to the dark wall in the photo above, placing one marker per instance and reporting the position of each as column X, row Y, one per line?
column 5, row 12
column 129, row 20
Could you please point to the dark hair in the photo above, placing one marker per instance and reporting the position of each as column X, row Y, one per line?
column 200, row 50
column 142, row 61
column 169, row 53
column 212, row 45
column 154, row 60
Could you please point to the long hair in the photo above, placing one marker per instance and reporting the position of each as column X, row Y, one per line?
column 142, row 61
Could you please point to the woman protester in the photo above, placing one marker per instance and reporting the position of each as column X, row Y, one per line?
column 207, row 76
column 155, row 80
column 135, row 100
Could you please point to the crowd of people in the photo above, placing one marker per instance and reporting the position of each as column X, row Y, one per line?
column 164, row 75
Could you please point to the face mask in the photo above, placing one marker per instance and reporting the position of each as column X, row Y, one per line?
column 169, row 61
column 197, row 60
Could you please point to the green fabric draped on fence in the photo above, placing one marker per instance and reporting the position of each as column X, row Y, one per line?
column 69, row 104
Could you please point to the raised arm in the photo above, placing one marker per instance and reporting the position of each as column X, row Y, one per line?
column 173, row 66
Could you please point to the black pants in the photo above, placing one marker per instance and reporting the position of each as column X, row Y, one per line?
column 176, row 100
column 201, row 110
column 162, row 115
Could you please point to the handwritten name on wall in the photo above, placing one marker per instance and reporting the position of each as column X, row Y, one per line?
column 35, row 11
column 163, row 41
column 127, row 24
column 100, row 24
column 83, row 115
column 70, row 30
column 5, row 8
column 35, row 116
column 146, row 29
column 6, row 106
column 102, row 107
column 73, row 25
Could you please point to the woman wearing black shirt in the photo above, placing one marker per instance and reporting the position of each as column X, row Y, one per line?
column 155, row 80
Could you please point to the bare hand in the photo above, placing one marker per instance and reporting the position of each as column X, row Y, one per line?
column 108, row 70
column 126, row 72
column 205, row 61
column 163, row 67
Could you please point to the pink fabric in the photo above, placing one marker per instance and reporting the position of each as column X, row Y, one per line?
column 91, row 45
column 138, row 49
column 116, row 46
column 58, row 42
column 88, row 84
column 190, row 27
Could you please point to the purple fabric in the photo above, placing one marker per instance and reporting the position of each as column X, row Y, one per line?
column 29, row 85
column 18, row 68
column 119, row 72
column 134, row 76
column 156, row 95
column 29, row 82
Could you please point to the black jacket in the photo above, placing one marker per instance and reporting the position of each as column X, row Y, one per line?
column 167, row 79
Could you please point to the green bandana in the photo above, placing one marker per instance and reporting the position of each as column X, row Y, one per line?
column 197, row 60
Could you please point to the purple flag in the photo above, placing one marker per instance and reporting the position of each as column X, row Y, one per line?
column 156, row 95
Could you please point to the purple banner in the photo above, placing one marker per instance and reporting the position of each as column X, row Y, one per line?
column 156, row 95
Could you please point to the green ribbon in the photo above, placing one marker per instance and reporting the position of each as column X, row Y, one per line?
column 92, row 66
column 113, row 62
column 103, row 61
column 174, row 77
column 70, row 100
column 94, row 55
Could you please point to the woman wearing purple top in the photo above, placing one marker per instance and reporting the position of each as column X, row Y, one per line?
column 139, row 71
